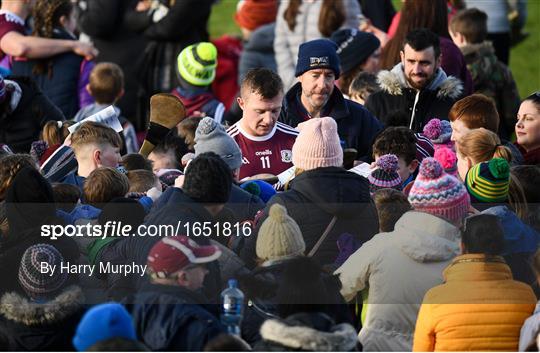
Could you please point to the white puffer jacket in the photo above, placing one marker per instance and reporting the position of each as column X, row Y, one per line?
column 399, row 268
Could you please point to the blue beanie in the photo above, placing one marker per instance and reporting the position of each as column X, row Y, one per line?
column 317, row 54
column 103, row 322
column 259, row 188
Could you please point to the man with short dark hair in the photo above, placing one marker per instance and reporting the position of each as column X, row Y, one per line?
column 417, row 85
column 316, row 96
column 191, row 209
column 266, row 144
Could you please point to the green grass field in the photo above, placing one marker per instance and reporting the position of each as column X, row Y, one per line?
column 524, row 59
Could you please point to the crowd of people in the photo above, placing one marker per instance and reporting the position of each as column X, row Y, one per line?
column 369, row 178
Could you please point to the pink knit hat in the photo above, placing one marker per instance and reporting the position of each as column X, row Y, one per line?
column 317, row 145
column 439, row 193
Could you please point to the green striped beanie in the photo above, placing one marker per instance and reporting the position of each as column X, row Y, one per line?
column 197, row 64
column 489, row 181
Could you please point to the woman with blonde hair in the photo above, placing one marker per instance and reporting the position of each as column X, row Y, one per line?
column 483, row 165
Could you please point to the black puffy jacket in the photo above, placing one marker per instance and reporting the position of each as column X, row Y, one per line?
column 23, row 113
column 421, row 106
column 314, row 198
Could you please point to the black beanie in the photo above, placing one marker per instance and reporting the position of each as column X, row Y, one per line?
column 354, row 47
column 208, row 179
column 29, row 201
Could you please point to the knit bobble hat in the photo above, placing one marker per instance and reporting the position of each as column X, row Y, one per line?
column 38, row 284
column 448, row 160
column 259, row 188
column 438, row 131
column 279, row 236
column 317, row 145
column 317, row 54
column 489, row 181
column 197, row 64
column 386, row 175
column 354, row 47
column 438, row 193
column 210, row 136
column 101, row 323
column 251, row 14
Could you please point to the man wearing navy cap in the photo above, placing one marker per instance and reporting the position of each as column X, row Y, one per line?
column 315, row 96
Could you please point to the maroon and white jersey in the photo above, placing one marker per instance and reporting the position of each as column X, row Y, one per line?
column 264, row 154
column 10, row 22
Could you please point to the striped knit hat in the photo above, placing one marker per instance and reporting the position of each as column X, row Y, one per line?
column 386, row 175
column 489, row 181
column 424, row 147
column 197, row 64
column 36, row 283
column 438, row 193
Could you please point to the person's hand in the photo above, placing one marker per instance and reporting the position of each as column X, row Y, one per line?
column 473, row 211
column 85, row 49
column 199, row 114
column 143, row 5
column 380, row 34
column 179, row 182
column 154, row 193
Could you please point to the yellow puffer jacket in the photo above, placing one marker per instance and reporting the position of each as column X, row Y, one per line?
column 479, row 308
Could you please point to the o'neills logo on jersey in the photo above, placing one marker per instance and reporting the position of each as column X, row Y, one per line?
column 319, row 61
column 263, row 153
column 286, row 156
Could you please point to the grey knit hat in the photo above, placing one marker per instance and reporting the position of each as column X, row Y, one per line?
column 210, row 136
column 38, row 284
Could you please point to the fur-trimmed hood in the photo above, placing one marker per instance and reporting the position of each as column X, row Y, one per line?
column 291, row 333
column 20, row 309
column 393, row 82
column 478, row 48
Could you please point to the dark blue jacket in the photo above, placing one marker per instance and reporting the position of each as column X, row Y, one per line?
column 357, row 127
column 169, row 318
column 62, row 87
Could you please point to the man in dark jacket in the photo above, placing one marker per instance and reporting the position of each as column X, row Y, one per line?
column 418, row 85
column 168, row 312
column 24, row 109
column 190, row 210
column 316, row 96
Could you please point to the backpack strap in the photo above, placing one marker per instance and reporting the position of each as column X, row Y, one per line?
column 323, row 237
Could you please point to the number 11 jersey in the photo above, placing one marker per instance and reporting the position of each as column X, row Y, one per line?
column 264, row 154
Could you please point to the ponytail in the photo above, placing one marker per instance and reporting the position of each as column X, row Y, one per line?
column 482, row 145
column 503, row 152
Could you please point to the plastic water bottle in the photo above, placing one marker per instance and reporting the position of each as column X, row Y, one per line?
column 232, row 300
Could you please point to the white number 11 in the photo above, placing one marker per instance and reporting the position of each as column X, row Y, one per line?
column 265, row 162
